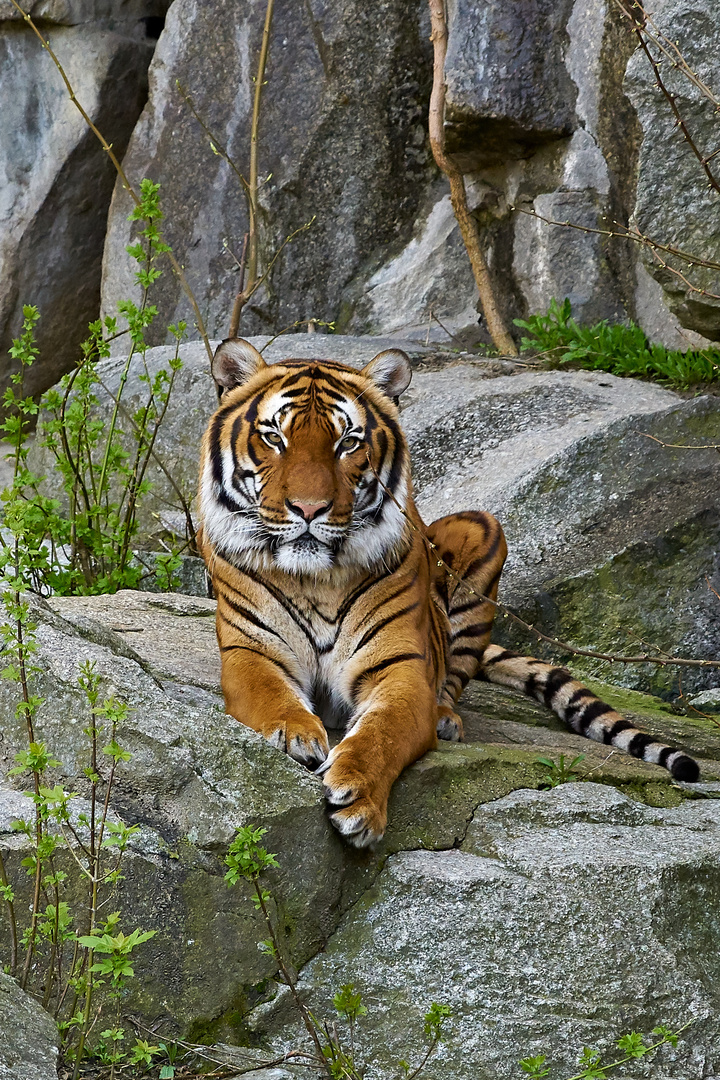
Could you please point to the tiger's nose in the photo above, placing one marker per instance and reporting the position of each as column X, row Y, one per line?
column 309, row 510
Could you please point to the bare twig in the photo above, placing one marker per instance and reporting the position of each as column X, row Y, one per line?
column 499, row 332
column 628, row 233
column 671, row 98
column 254, row 129
column 107, row 147
column 678, row 446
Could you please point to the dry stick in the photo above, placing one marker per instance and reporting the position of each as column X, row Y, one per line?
column 633, row 234
column 670, row 50
column 669, row 97
column 107, row 147
column 458, row 195
column 678, row 446
column 255, row 125
column 564, row 646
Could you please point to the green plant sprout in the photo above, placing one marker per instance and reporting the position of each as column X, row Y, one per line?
column 560, row 771
column 247, row 861
column 621, row 349
column 632, row 1046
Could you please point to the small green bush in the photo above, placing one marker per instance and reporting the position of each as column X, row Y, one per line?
column 618, row 348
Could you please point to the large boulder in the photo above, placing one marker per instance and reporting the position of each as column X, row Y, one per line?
column 196, row 775
column 565, row 919
column 28, row 1036
column 676, row 205
column 57, row 180
column 341, row 145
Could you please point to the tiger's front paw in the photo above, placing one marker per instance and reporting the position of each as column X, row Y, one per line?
column 357, row 811
column 303, row 738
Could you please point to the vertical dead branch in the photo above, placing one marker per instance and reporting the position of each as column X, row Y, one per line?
column 250, row 245
column 253, row 182
column 458, row 196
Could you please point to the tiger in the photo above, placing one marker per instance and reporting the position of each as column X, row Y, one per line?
column 337, row 607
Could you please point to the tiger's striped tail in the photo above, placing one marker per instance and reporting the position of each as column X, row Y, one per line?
column 585, row 713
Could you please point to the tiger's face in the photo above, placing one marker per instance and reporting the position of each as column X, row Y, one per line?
column 305, row 468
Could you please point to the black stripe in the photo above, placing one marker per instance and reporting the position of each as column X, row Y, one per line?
column 639, row 743
column 270, row 659
column 618, row 727
column 475, row 630
column 294, row 614
column 377, row 668
column 477, row 653
column 557, row 678
column 504, row 655
column 373, row 630
column 595, row 709
column 481, row 560
column 409, row 584
column 352, row 599
column 467, row 606
column 665, row 754
column 580, row 698
column 251, row 618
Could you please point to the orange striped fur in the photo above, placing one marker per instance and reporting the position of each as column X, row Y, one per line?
column 332, row 609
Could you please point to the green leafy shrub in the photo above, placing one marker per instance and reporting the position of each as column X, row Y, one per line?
column 82, row 542
column 616, row 348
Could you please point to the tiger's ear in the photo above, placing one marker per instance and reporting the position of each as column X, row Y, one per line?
column 391, row 371
column 235, row 361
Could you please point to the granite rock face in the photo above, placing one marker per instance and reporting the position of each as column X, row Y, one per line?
column 565, row 919
column 196, row 775
column 676, row 203
column 28, row 1036
column 342, row 144
column 57, row 180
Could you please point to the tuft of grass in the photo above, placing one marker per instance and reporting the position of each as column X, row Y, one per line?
column 616, row 348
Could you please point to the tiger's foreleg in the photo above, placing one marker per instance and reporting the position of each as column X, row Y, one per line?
column 393, row 725
column 473, row 545
column 261, row 695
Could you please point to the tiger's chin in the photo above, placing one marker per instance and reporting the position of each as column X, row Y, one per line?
column 304, row 556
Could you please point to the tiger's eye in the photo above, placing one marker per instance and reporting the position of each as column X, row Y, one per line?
column 350, row 442
column 272, row 438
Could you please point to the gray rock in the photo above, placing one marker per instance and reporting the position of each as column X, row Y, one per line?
column 554, row 262
column 28, row 1036
column 566, row 919
column 76, row 12
column 342, row 141
column 610, row 533
column 708, row 701
column 507, row 86
column 196, row 775
column 57, row 179
column 675, row 204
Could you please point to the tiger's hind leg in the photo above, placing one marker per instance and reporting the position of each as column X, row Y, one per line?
column 473, row 545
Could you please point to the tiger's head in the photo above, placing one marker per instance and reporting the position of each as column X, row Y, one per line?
column 304, row 466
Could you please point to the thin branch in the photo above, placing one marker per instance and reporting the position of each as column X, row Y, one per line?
column 254, row 128
column 629, row 233
column 467, row 224
column 670, row 97
column 678, row 446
